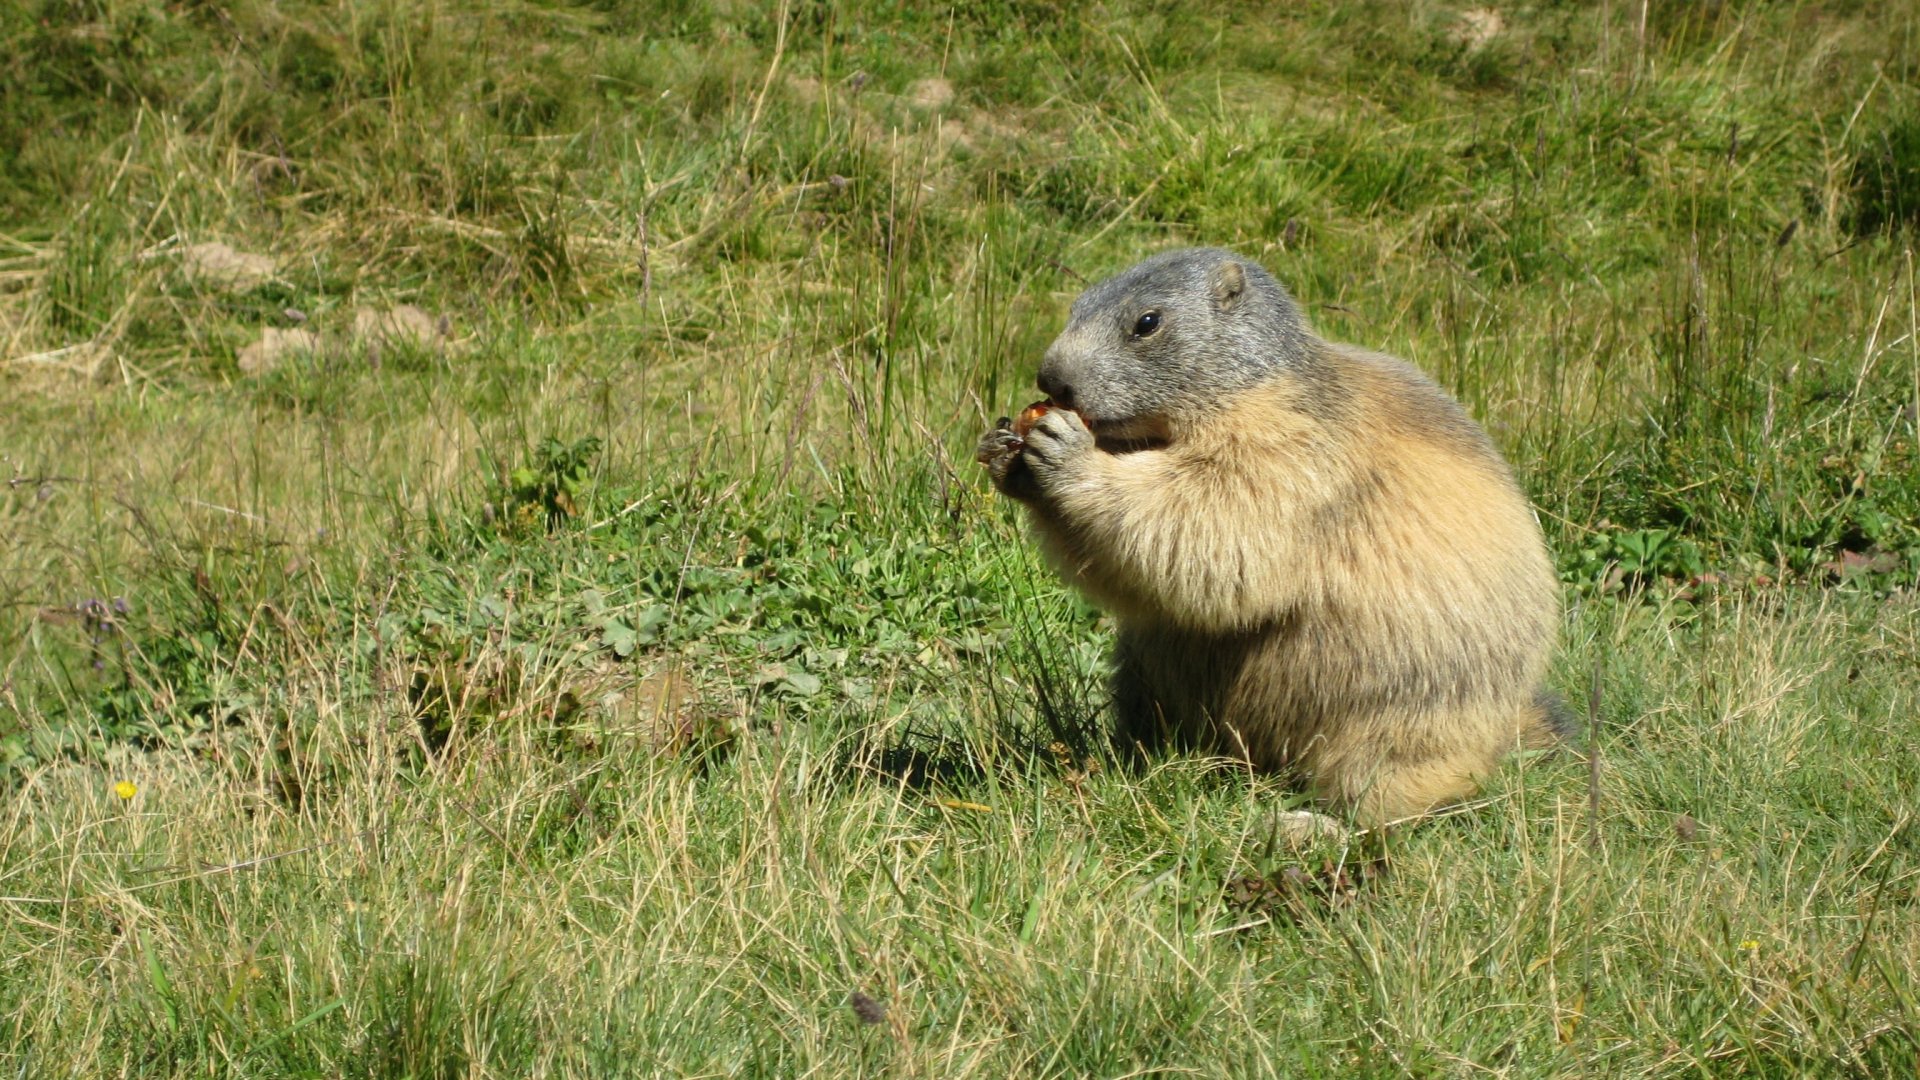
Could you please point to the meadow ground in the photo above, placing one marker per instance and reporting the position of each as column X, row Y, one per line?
column 492, row 582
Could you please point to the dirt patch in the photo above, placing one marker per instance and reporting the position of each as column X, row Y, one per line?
column 80, row 364
column 664, row 710
column 218, row 266
column 374, row 331
column 931, row 94
column 1477, row 27
column 806, row 89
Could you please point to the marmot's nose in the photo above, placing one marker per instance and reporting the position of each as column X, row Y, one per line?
column 1058, row 390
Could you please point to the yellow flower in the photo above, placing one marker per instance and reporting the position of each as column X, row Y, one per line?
column 125, row 789
column 1749, row 944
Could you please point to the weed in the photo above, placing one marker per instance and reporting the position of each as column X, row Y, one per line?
column 1886, row 176
column 553, row 485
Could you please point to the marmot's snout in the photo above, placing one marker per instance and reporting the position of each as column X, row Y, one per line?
column 1068, row 372
column 1055, row 384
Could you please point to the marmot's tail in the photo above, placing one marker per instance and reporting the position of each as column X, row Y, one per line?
column 1551, row 722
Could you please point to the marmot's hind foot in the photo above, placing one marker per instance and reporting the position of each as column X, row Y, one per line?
column 1302, row 829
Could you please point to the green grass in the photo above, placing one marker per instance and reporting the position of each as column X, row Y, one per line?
column 623, row 680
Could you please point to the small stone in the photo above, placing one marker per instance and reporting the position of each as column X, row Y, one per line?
column 218, row 266
column 401, row 325
column 274, row 346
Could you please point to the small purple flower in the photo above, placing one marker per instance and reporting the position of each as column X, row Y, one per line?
column 97, row 617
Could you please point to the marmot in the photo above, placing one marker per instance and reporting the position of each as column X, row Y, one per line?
column 1318, row 563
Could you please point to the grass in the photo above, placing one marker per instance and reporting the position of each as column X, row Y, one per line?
column 630, row 673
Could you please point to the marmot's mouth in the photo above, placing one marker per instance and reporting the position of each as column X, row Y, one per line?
column 1129, row 435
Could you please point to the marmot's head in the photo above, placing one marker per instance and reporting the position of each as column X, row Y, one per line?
column 1169, row 337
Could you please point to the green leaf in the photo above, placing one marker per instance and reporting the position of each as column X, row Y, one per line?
column 650, row 622
column 615, row 634
column 801, row 684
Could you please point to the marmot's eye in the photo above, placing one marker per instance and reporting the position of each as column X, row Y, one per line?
column 1148, row 324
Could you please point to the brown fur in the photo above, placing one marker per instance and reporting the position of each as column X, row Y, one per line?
column 1331, row 574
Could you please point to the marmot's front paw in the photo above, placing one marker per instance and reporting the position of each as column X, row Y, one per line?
column 1057, row 447
column 1000, row 451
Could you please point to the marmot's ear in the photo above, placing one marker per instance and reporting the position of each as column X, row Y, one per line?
column 1227, row 282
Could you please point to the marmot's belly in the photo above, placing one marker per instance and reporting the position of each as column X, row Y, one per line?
column 1269, row 695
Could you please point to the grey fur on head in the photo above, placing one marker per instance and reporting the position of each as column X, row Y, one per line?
column 1215, row 323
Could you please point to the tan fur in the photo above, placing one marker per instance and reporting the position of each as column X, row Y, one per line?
column 1331, row 574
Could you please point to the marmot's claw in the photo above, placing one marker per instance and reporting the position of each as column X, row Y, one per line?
column 1000, row 451
column 1055, row 442
column 996, row 444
